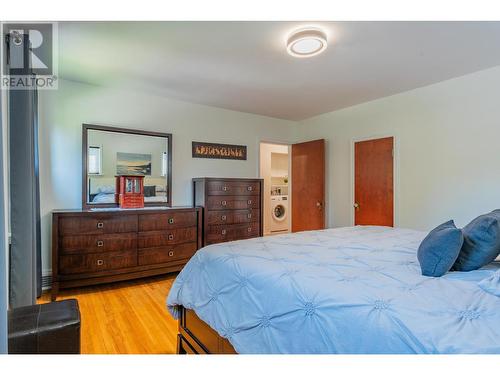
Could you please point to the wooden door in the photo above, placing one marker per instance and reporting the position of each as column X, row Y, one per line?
column 374, row 182
column 308, row 185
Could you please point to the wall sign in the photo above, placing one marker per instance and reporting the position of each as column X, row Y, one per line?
column 219, row 151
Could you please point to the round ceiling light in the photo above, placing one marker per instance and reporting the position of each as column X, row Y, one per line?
column 306, row 42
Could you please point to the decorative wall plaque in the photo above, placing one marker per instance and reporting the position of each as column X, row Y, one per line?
column 219, row 151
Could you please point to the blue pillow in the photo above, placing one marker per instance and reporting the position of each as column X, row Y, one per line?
column 439, row 250
column 481, row 242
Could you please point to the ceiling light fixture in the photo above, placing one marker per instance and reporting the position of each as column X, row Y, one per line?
column 306, row 42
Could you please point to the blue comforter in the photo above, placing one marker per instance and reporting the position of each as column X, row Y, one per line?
column 347, row 290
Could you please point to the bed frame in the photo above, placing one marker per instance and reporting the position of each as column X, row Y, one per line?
column 197, row 337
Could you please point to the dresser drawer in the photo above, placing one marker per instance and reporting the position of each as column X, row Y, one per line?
column 166, row 254
column 165, row 221
column 233, row 188
column 97, row 224
column 232, row 217
column 238, row 202
column 167, row 237
column 97, row 243
column 222, row 233
column 86, row 263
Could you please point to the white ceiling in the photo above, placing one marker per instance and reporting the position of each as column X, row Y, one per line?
column 244, row 66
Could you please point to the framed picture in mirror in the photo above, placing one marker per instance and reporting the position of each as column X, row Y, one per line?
column 108, row 152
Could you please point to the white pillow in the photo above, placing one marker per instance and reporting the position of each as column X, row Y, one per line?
column 106, row 189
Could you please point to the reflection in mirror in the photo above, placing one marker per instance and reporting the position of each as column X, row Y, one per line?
column 110, row 154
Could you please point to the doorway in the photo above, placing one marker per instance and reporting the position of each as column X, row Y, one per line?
column 294, row 186
column 374, row 182
column 275, row 171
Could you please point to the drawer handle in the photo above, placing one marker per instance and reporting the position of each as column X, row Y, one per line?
column 223, row 232
column 100, row 225
column 171, row 220
column 100, row 243
column 249, row 216
column 224, row 188
column 100, row 262
column 249, row 202
column 249, row 229
column 224, row 203
column 223, row 217
column 171, row 253
column 170, row 237
column 249, row 188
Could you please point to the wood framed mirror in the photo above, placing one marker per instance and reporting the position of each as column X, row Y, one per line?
column 109, row 151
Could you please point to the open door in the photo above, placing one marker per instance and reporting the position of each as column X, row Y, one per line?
column 308, row 185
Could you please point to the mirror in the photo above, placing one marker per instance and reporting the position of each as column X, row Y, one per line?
column 109, row 152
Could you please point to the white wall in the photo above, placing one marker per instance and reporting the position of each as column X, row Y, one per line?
column 448, row 149
column 279, row 165
column 63, row 111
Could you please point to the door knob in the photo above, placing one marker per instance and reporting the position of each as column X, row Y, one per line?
column 319, row 205
column 356, row 205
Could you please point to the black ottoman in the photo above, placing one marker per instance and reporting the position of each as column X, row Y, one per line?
column 51, row 328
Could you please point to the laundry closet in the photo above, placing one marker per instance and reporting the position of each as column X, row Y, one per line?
column 275, row 170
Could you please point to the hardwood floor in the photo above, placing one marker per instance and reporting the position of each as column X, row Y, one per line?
column 125, row 318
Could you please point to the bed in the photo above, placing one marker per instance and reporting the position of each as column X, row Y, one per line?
column 110, row 198
column 102, row 190
column 346, row 290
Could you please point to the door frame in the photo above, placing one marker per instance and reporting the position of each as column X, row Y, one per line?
column 284, row 143
column 395, row 171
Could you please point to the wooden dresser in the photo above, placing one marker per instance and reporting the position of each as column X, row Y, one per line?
column 99, row 246
column 232, row 208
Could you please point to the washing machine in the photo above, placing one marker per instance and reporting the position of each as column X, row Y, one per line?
column 279, row 213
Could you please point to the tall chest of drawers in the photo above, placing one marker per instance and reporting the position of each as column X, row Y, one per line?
column 232, row 208
column 98, row 246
